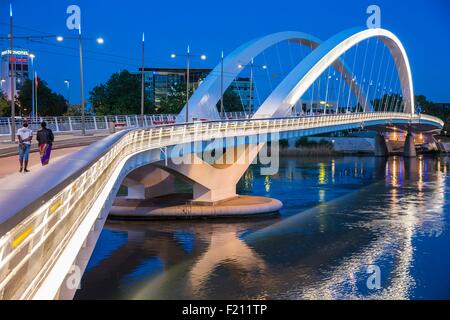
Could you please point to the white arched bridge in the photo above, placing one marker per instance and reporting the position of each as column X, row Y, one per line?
column 50, row 219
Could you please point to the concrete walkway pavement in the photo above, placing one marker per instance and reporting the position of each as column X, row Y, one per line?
column 7, row 148
column 9, row 166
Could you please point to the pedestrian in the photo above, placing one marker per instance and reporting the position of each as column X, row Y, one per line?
column 45, row 139
column 25, row 135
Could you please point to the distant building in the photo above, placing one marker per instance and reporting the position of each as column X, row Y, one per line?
column 20, row 67
column 317, row 106
column 158, row 82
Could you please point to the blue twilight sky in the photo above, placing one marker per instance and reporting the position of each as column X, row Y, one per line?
column 210, row 26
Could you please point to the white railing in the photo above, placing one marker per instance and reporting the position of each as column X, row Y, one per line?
column 92, row 123
column 33, row 237
column 95, row 123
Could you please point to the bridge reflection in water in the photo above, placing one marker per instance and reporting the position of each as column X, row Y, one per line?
column 397, row 218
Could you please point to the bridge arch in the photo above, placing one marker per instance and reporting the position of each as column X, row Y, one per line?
column 292, row 88
column 202, row 103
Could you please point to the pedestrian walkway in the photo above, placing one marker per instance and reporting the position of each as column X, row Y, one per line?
column 9, row 166
column 61, row 141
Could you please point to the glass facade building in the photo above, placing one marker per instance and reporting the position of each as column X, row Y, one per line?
column 159, row 81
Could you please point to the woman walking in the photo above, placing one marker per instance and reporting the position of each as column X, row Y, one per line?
column 45, row 139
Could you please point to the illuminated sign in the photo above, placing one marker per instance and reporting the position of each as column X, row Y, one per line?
column 16, row 52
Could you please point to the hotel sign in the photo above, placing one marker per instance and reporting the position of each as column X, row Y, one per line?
column 15, row 52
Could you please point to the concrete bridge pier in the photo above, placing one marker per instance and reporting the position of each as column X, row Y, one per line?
column 409, row 149
column 151, row 191
column 381, row 149
column 149, row 182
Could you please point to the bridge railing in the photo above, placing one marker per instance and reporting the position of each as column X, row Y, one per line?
column 92, row 123
column 35, row 231
column 96, row 123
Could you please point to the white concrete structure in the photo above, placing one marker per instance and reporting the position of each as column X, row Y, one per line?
column 294, row 85
column 47, row 237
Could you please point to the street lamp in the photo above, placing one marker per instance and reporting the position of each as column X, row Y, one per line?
column 32, row 56
column 12, row 64
column 142, row 79
column 252, row 65
column 188, row 56
column 67, row 83
column 80, row 44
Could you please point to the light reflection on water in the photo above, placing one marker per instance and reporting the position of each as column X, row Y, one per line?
column 340, row 216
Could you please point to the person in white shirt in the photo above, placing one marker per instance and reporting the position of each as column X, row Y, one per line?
column 25, row 135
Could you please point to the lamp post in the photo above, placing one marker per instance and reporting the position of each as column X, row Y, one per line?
column 32, row 56
column 67, row 83
column 222, row 110
column 12, row 65
column 80, row 45
column 142, row 80
column 252, row 65
column 188, row 56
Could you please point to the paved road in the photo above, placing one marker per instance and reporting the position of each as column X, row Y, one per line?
column 10, row 165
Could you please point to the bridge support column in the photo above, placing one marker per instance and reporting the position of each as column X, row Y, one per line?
column 381, row 149
column 409, row 149
column 214, row 182
column 149, row 182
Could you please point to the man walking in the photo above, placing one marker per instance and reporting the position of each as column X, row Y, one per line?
column 45, row 139
column 24, row 135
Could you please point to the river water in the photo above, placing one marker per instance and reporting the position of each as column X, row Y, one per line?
column 350, row 228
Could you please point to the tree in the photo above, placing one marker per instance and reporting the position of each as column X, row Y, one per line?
column 231, row 101
column 5, row 107
column 434, row 109
column 49, row 102
column 73, row 110
column 175, row 100
column 389, row 102
column 120, row 95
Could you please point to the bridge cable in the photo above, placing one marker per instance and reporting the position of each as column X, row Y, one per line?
column 362, row 77
column 352, row 80
column 326, row 93
column 370, row 83
column 396, row 90
column 267, row 71
column 384, row 83
column 340, row 80
column 390, row 84
column 312, row 92
column 377, row 84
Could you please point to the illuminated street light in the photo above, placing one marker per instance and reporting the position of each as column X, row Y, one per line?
column 67, row 83
column 59, row 38
column 100, row 40
column 252, row 65
column 188, row 56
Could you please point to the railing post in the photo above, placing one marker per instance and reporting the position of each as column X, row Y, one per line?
column 95, row 122
column 70, row 124
column 56, row 124
column 9, row 126
column 106, row 122
column 127, row 121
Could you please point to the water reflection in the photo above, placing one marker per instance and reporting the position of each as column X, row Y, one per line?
column 340, row 216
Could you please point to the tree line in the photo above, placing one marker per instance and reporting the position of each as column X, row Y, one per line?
column 121, row 94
